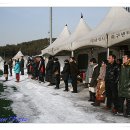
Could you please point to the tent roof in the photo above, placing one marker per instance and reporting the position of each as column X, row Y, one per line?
column 18, row 55
column 117, row 19
column 62, row 37
column 81, row 30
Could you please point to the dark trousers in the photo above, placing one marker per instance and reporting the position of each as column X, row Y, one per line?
column 112, row 95
column 66, row 84
column 22, row 71
column 74, row 82
column 57, row 81
column 41, row 78
column 121, row 105
column 92, row 96
column 10, row 71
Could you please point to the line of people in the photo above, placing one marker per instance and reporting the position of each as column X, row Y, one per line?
column 112, row 81
column 51, row 73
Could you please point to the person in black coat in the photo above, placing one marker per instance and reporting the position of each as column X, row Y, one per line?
column 22, row 66
column 56, row 72
column 6, row 70
column 49, row 68
column 65, row 73
column 111, row 83
column 41, row 69
column 73, row 73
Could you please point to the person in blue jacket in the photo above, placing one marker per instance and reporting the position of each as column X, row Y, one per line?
column 17, row 70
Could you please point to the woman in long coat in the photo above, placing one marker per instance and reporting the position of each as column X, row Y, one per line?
column 56, row 72
column 49, row 68
column 65, row 73
column 100, row 91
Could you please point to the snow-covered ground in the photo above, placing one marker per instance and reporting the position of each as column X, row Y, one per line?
column 40, row 103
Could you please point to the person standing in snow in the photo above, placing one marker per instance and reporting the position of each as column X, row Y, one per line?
column 111, row 83
column 124, row 86
column 6, row 71
column 17, row 70
column 22, row 66
column 73, row 73
column 100, row 90
column 10, row 66
column 41, row 69
column 65, row 73
column 93, row 83
column 49, row 68
column 56, row 72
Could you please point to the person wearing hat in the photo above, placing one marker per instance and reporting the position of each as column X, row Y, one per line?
column 49, row 68
column 56, row 72
column 124, row 86
column 65, row 73
column 73, row 73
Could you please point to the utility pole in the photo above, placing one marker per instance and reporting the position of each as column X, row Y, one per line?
column 50, row 25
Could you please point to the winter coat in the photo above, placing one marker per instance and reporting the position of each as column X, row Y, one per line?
column 89, row 73
column 124, row 81
column 41, row 67
column 22, row 63
column 5, row 69
column 56, row 68
column 66, row 71
column 74, row 69
column 95, row 75
column 100, row 91
column 49, row 68
column 17, row 68
column 56, row 72
column 112, row 73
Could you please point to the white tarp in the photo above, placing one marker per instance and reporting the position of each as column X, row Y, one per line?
column 65, row 34
column 116, row 24
column 81, row 30
column 18, row 55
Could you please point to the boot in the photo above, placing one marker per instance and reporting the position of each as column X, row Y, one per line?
column 93, row 97
column 90, row 94
column 96, row 103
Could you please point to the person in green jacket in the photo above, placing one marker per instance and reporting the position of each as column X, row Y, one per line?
column 124, row 85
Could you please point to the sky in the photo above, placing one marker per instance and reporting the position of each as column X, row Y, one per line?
column 22, row 24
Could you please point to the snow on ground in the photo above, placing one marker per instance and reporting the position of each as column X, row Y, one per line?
column 40, row 103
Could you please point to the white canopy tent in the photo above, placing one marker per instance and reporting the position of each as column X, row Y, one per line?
column 113, row 29
column 18, row 55
column 65, row 34
column 81, row 30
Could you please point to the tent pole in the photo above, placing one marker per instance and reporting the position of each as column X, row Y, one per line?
column 72, row 53
column 108, row 51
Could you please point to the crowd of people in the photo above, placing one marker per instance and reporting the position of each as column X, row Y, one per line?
column 109, row 82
